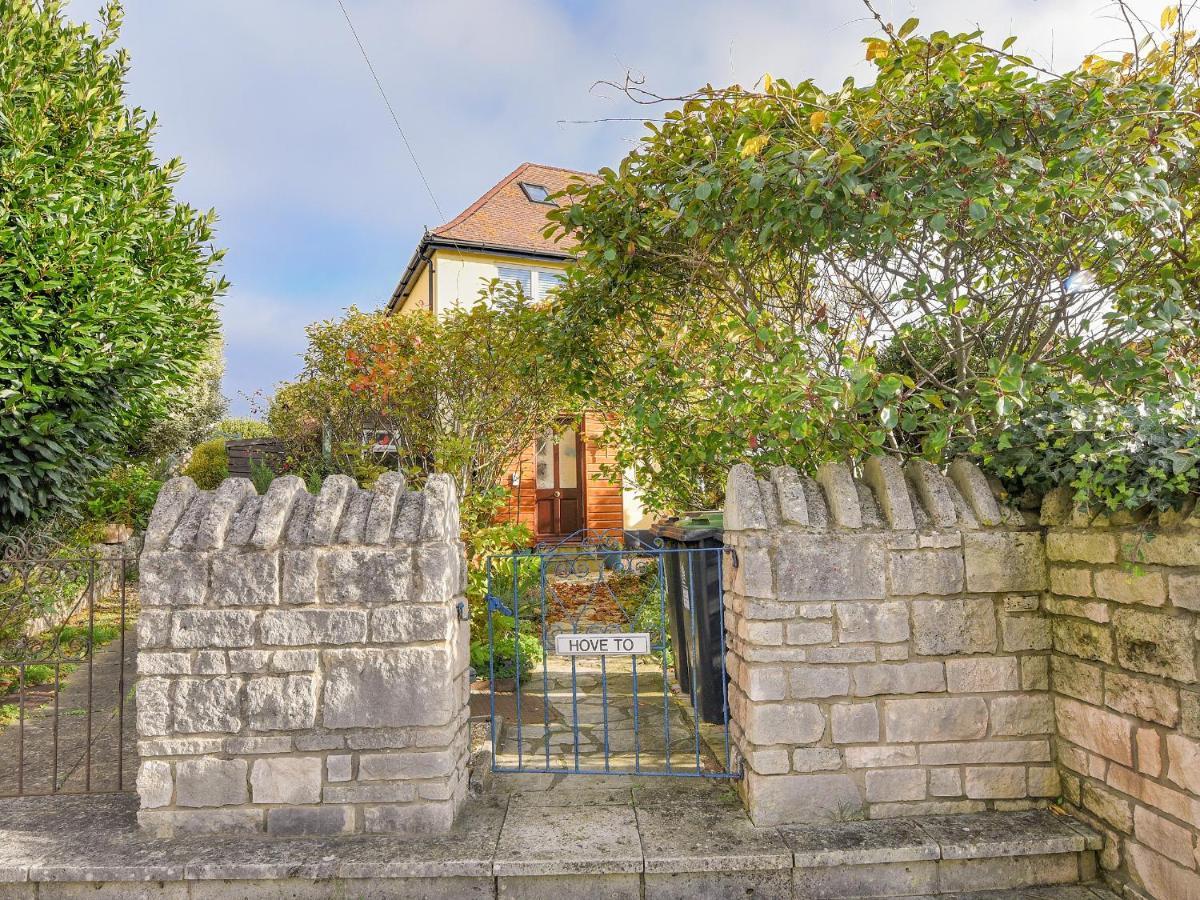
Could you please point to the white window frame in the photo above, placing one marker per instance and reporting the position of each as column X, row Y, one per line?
column 507, row 273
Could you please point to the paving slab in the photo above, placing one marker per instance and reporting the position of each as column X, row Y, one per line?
column 551, row 840
column 978, row 835
column 859, row 843
column 704, row 838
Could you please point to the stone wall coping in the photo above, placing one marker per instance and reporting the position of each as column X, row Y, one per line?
column 1059, row 510
column 235, row 517
column 889, row 496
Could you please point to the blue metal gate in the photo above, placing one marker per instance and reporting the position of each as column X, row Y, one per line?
column 601, row 663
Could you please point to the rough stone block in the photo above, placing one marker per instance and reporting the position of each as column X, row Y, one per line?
column 211, row 782
column 1080, row 680
column 245, row 579
column 899, row 678
column 366, row 575
column 172, row 578
column 925, row 572
column 1184, row 590
column 972, row 676
column 1025, row 633
column 819, row 681
column 411, row 624
column 886, row 478
column 1004, row 561
column 1035, row 675
column 1022, row 714
column 830, row 567
column 298, row 576
column 322, row 627
column 840, row 494
column 896, row 784
column 1083, row 639
column 1164, row 549
column 787, row 799
column 212, row 628
column 1043, row 781
column 1189, row 713
column 281, row 704
column 880, row 757
column 1092, row 610
column 855, row 723
column 816, row 759
column 155, row 785
column 286, row 779
column 425, row 817
column 1109, row 806
column 1155, row 643
column 1074, row 581
column 762, row 682
column 898, row 879
column 1147, row 588
column 205, row 705
column 309, row 821
column 361, row 688
column 753, row 576
column 153, row 628
column 995, row 782
column 407, row 764
column 1149, row 752
column 339, row 767
column 1095, row 729
column 935, row 719
column 944, row 627
column 805, row 633
column 945, row 783
column 784, row 723
column 1142, row 698
column 872, row 622
column 1171, row 840
column 1093, row 547
column 1183, row 762
column 163, row 663
column 985, row 752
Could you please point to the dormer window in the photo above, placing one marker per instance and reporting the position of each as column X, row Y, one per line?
column 537, row 193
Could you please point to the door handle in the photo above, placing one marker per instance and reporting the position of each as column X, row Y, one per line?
column 557, row 494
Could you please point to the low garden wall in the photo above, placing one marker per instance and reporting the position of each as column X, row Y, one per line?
column 303, row 660
column 901, row 643
column 887, row 655
column 1124, row 606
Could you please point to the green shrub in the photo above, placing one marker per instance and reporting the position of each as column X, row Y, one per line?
column 261, row 475
column 506, row 645
column 1111, row 455
column 240, row 429
column 124, row 495
column 209, row 465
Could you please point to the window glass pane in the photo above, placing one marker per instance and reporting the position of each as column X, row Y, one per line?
column 568, row 475
column 536, row 192
column 544, row 462
column 547, row 281
column 517, row 275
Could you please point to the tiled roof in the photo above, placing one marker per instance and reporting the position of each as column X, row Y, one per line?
column 505, row 217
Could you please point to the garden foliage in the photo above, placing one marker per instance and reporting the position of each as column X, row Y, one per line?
column 107, row 283
column 795, row 273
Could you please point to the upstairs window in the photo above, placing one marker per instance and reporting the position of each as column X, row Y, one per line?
column 535, row 283
column 537, row 193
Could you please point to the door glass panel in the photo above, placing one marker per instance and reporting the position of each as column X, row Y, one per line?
column 544, row 462
column 568, row 474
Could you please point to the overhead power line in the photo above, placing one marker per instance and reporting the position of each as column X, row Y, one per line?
column 391, row 111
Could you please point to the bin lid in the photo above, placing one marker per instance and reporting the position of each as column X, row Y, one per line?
column 692, row 527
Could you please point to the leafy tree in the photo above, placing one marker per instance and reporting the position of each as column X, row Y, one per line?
column 106, row 282
column 464, row 393
column 192, row 411
column 790, row 273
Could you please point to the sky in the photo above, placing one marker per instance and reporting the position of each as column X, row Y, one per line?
column 273, row 110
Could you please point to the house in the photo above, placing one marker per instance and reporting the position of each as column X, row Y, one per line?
column 556, row 487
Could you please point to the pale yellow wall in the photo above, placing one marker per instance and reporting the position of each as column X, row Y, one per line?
column 461, row 276
column 418, row 297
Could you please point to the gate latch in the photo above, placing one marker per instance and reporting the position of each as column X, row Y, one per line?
column 463, row 614
column 496, row 605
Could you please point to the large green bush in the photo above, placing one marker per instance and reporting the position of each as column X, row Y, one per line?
column 791, row 273
column 106, row 281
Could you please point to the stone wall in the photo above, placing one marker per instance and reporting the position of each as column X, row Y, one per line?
column 303, row 667
column 1124, row 606
column 887, row 652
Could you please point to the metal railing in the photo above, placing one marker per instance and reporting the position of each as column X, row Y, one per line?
column 67, row 652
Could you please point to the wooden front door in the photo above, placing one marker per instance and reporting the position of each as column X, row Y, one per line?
column 558, row 467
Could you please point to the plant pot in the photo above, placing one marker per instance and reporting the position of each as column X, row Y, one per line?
column 115, row 533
